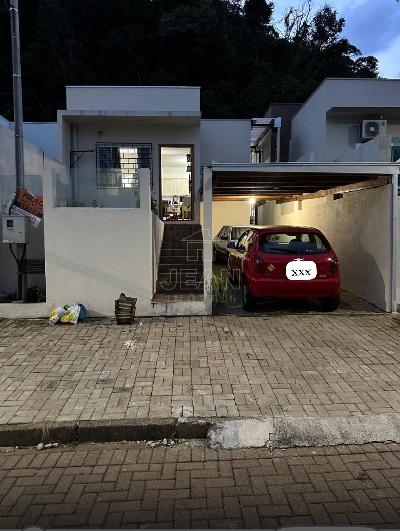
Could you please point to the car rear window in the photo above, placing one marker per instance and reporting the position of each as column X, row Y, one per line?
column 237, row 232
column 293, row 243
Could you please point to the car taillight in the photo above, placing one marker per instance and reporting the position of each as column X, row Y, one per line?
column 260, row 265
column 334, row 265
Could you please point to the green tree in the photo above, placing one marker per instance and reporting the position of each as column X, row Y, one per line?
column 258, row 12
column 228, row 47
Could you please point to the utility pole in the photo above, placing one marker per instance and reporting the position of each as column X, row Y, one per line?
column 17, row 94
column 18, row 128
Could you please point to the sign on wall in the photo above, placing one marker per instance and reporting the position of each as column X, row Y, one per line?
column 23, row 203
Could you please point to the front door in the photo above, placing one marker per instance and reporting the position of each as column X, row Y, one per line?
column 176, row 182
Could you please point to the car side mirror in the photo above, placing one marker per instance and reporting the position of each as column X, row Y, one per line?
column 231, row 245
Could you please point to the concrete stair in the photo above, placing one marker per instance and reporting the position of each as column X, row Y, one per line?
column 180, row 268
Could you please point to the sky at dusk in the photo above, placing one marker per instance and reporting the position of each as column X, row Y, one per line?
column 371, row 25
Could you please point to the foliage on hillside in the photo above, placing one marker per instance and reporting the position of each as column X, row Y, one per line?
column 228, row 47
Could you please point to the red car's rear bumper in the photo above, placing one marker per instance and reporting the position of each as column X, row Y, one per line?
column 294, row 289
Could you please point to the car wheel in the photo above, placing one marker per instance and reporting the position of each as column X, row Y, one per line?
column 248, row 300
column 330, row 304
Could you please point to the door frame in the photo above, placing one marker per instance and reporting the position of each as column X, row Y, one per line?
column 191, row 146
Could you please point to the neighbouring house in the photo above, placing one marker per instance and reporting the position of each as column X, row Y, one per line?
column 344, row 122
column 353, row 120
column 143, row 183
column 38, row 164
column 43, row 135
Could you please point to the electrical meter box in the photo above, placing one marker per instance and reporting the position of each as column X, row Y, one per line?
column 15, row 229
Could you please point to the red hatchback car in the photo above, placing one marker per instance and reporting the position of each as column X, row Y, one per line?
column 285, row 262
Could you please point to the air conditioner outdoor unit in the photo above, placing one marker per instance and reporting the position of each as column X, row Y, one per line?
column 372, row 128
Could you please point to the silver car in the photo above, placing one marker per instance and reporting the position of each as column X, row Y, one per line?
column 224, row 236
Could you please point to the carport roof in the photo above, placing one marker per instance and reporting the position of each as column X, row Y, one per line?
column 288, row 179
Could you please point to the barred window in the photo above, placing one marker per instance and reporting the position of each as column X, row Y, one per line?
column 117, row 164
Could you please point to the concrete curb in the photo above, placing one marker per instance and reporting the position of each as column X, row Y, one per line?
column 286, row 432
column 103, row 431
column 332, row 431
column 271, row 432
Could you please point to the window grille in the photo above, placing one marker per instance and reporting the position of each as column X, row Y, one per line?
column 117, row 165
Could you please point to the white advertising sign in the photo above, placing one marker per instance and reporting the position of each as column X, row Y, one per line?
column 301, row 270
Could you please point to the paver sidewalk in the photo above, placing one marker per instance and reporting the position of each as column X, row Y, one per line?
column 115, row 486
column 306, row 365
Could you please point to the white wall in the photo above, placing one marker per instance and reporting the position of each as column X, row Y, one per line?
column 158, row 233
column 126, row 130
column 94, row 254
column 358, row 226
column 377, row 149
column 207, row 213
column 343, row 142
column 45, row 136
column 393, row 129
column 309, row 140
column 147, row 99
column 228, row 213
column 398, row 254
column 225, row 141
column 341, row 135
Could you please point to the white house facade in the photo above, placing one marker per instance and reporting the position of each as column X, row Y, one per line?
column 143, row 183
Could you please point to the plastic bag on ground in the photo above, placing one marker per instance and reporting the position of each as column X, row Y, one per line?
column 71, row 316
column 56, row 314
column 82, row 313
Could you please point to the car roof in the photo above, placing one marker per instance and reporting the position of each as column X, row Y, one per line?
column 284, row 228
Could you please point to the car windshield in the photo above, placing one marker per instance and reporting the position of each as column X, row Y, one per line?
column 293, row 243
column 237, row 232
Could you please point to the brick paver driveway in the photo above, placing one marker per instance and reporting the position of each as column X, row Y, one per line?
column 137, row 486
column 307, row 365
